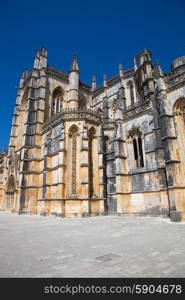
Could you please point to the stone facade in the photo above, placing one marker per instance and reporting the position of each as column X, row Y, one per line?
column 81, row 150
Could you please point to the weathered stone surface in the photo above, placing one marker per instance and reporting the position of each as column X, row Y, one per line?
column 77, row 150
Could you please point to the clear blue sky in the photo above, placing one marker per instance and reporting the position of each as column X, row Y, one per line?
column 103, row 33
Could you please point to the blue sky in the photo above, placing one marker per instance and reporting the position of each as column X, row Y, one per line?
column 102, row 33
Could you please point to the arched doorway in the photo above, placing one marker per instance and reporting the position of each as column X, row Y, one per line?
column 10, row 192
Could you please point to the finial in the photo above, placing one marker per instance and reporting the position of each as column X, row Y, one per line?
column 22, row 78
column 135, row 64
column 26, row 73
column 74, row 64
column 94, row 78
column 43, row 51
column 93, row 82
column 36, row 59
column 159, row 69
column 41, row 60
column 105, row 80
column 23, row 75
column 37, row 53
column 46, row 52
column 120, row 70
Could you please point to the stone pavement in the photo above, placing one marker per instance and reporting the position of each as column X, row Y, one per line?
column 110, row 246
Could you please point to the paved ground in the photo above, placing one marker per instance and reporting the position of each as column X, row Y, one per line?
column 34, row 246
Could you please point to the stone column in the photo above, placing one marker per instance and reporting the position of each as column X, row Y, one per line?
column 62, row 168
column 84, row 165
column 101, row 170
column 33, row 136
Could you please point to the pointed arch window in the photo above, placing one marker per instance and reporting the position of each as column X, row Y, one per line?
column 91, row 173
column 135, row 151
column 105, row 150
column 73, row 135
column 57, row 98
column 140, row 152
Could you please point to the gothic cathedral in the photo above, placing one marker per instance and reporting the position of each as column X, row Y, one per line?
column 81, row 150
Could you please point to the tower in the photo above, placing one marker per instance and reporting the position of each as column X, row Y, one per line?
column 73, row 84
column 144, row 75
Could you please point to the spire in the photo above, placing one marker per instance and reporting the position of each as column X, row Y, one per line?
column 74, row 64
column 159, row 69
column 94, row 78
column 105, row 80
column 44, row 52
column 37, row 54
column 93, row 87
column 42, row 58
column 135, row 64
column 121, row 70
column 159, row 77
column 23, row 76
column 36, row 59
column 73, row 92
